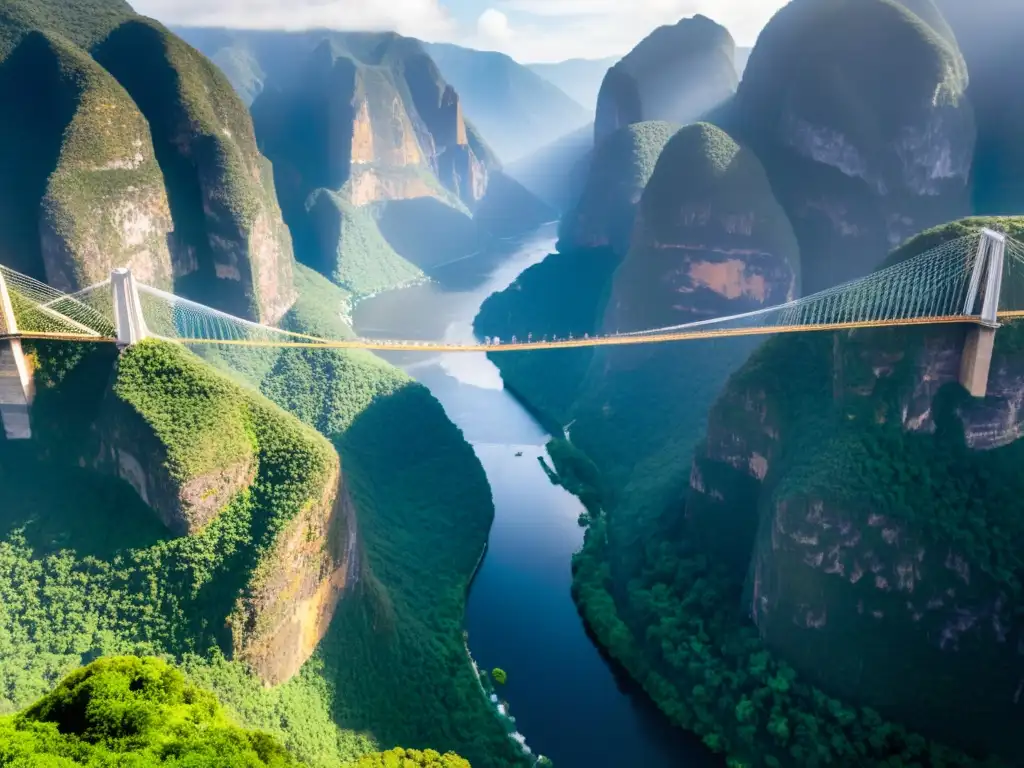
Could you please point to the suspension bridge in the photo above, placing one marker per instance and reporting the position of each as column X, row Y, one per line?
column 977, row 280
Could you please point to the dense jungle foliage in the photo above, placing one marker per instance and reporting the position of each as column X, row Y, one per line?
column 144, row 712
column 670, row 598
column 87, row 570
column 671, row 607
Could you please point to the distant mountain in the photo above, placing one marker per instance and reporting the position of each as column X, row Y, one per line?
column 557, row 171
column 122, row 146
column 355, row 121
column 742, row 57
column 675, row 74
column 580, row 78
column 989, row 33
column 515, row 108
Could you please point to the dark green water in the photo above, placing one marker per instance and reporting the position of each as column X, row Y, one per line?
column 570, row 702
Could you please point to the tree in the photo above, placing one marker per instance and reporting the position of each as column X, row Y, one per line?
column 499, row 675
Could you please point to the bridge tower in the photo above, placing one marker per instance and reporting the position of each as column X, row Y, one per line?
column 17, row 388
column 986, row 283
column 131, row 326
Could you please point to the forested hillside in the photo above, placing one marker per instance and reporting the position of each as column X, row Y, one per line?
column 355, row 122
column 144, row 711
column 768, row 584
column 126, row 147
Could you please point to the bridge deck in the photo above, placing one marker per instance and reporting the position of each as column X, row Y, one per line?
column 310, row 342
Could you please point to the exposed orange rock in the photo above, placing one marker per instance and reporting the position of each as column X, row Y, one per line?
column 362, row 136
column 728, row 278
column 291, row 601
column 367, row 186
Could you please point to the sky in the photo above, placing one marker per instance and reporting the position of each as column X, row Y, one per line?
column 528, row 30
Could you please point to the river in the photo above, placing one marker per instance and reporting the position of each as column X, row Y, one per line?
column 570, row 702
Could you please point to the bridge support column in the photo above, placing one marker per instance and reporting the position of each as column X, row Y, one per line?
column 976, row 360
column 131, row 327
column 986, row 284
column 17, row 388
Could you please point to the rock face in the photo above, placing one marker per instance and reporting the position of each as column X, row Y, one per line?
column 515, row 108
column 229, row 244
column 718, row 244
column 287, row 609
column 369, row 124
column 619, row 170
column 844, row 474
column 859, row 167
column 377, row 121
column 191, row 461
column 126, row 148
column 675, row 74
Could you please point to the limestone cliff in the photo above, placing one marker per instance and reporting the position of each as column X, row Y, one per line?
column 619, row 170
column 105, row 204
column 196, row 447
column 858, row 112
column 877, row 509
column 230, row 247
column 718, row 244
column 289, row 604
column 675, row 74
column 126, row 148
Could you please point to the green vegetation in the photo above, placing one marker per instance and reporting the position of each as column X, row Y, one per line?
column 144, row 712
column 137, row 710
column 499, row 675
column 218, row 186
column 677, row 73
column 392, row 669
column 562, row 295
column 410, row 758
column 83, row 22
column 394, row 657
column 351, row 250
column 106, row 168
column 198, row 418
column 620, row 168
column 663, row 581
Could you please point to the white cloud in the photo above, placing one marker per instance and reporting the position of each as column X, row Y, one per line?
column 493, row 24
column 551, row 30
column 420, row 18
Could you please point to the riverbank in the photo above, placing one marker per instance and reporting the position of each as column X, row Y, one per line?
column 571, row 703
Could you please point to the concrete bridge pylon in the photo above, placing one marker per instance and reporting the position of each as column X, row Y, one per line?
column 17, row 388
column 985, row 286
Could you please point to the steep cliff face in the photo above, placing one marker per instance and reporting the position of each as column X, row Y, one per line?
column 124, row 147
column 877, row 511
column 515, row 108
column 619, row 170
column 675, row 74
column 289, row 604
column 364, row 120
column 718, row 244
column 82, row 191
column 229, row 245
column 200, row 451
column 858, row 167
